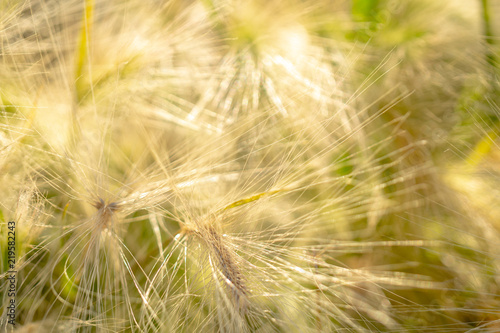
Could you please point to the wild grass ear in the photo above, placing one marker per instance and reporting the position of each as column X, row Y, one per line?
column 250, row 166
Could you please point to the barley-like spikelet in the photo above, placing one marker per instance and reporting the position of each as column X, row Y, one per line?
column 230, row 273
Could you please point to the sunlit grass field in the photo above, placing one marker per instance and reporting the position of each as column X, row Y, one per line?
column 250, row 166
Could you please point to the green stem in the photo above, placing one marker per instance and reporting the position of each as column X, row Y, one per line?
column 83, row 54
column 488, row 33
